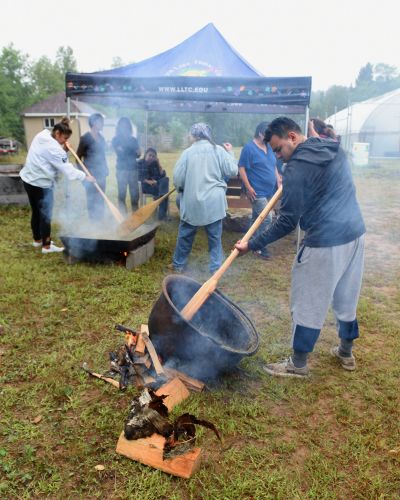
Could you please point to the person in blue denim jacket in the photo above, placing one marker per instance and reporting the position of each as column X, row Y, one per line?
column 199, row 177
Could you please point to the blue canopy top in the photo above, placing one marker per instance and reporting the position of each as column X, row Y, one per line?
column 206, row 53
column 201, row 74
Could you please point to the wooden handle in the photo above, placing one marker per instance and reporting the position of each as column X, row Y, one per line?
column 160, row 200
column 140, row 216
column 210, row 285
column 113, row 209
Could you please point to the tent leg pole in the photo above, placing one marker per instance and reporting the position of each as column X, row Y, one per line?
column 146, row 130
column 306, row 118
column 67, row 187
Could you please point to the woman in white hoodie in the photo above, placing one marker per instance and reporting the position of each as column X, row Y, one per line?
column 46, row 159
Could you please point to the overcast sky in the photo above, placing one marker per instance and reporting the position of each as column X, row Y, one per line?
column 329, row 41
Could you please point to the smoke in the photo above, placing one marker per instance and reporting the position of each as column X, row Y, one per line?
column 74, row 224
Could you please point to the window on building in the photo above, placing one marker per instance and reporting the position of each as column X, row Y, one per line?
column 49, row 122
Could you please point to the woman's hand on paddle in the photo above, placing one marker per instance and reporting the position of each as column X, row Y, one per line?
column 90, row 178
column 243, row 247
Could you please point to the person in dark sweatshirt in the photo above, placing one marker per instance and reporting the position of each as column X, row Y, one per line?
column 127, row 150
column 92, row 151
column 319, row 194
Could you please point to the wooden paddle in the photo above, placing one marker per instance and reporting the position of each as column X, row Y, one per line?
column 139, row 217
column 113, row 209
column 210, row 285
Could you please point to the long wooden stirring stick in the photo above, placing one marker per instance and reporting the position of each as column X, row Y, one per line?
column 113, row 209
column 136, row 219
column 210, row 285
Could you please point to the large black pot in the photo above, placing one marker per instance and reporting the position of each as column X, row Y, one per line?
column 214, row 341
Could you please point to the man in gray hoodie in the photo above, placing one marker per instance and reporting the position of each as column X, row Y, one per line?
column 319, row 194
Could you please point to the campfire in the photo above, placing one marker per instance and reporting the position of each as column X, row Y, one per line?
column 211, row 343
column 136, row 363
column 149, row 437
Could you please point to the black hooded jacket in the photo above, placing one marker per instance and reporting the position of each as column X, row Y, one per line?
column 318, row 192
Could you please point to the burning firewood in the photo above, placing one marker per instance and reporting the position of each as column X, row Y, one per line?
column 183, row 436
column 149, row 415
column 137, row 363
column 131, row 336
column 132, row 364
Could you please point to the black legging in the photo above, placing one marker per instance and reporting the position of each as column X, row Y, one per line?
column 41, row 202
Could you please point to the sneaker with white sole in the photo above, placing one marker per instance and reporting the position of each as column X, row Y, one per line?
column 286, row 368
column 38, row 244
column 52, row 249
column 347, row 362
column 263, row 254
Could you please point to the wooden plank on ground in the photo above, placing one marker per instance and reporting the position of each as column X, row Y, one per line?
column 190, row 382
column 142, row 360
column 153, row 354
column 176, row 392
column 149, row 451
column 140, row 345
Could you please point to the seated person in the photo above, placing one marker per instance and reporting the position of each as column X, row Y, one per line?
column 154, row 180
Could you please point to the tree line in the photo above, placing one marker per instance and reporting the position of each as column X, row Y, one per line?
column 372, row 81
column 24, row 82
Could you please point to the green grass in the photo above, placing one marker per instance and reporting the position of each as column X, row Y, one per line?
column 327, row 438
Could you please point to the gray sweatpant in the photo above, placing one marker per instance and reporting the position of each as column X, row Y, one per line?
column 320, row 277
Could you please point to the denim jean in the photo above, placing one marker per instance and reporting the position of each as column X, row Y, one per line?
column 258, row 206
column 185, row 240
column 161, row 188
column 127, row 179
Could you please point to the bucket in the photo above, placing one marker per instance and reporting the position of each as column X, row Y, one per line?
column 214, row 341
column 360, row 154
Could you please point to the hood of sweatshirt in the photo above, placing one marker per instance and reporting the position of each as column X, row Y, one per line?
column 317, row 151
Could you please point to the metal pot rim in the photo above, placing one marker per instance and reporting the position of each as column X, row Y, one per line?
column 220, row 297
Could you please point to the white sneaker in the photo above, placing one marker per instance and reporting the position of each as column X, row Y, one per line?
column 52, row 249
column 38, row 244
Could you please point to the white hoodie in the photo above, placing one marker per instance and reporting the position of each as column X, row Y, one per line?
column 46, row 158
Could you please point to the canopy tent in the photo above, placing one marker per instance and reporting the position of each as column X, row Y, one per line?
column 201, row 74
column 205, row 53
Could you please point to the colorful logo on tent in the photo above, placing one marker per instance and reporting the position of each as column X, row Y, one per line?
column 194, row 68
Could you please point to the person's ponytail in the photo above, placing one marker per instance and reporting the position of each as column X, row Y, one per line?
column 64, row 127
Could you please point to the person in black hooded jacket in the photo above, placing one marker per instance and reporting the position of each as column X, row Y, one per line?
column 319, row 194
